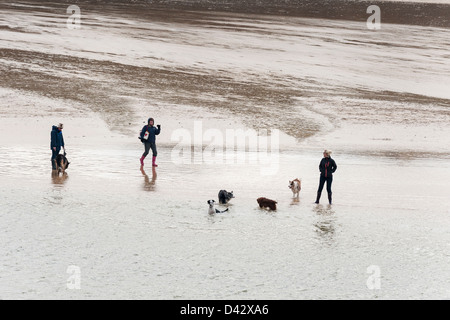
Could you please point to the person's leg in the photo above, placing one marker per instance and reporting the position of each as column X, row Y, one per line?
column 155, row 154
column 54, row 155
column 53, row 159
column 329, row 183
column 146, row 152
column 319, row 191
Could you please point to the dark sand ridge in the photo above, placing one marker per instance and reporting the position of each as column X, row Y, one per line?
column 260, row 104
column 424, row 14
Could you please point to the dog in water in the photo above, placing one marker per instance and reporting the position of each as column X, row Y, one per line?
column 295, row 186
column 267, row 203
column 225, row 196
column 62, row 163
column 212, row 209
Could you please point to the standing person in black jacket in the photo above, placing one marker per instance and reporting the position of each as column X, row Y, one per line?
column 148, row 138
column 327, row 167
column 56, row 143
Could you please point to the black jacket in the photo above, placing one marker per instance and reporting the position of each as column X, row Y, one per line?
column 327, row 167
column 153, row 132
column 56, row 138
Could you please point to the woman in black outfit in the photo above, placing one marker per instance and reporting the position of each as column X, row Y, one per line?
column 327, row 167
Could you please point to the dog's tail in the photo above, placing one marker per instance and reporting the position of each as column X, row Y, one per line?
column 218, row 211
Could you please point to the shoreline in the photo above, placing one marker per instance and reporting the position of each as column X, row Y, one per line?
column 212, row 129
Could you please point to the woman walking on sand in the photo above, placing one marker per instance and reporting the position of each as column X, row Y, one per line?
column 148, row 138
column 327, row 167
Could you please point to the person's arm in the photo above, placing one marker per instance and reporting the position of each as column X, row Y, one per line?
column 53, row 140
column 321, row 166
column 158, row 131
column 62, row 141
column 334, row 166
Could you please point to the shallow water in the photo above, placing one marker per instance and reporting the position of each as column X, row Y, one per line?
column 141, row 235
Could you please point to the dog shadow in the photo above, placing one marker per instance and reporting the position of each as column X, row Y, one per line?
column 59, row 178
column 149, row 185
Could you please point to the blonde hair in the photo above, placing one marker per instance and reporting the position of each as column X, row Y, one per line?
column 328, row 152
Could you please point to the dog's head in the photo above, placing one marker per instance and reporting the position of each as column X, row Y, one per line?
column 229, row 195
column 292, row 183
column 211, row 203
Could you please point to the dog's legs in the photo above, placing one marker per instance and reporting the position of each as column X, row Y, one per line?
column 61, row 165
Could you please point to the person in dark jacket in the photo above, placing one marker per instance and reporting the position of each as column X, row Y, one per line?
column 327, row 167
column 148, row 138
column 56, row 143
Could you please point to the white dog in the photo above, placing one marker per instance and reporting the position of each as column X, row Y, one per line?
column 212, row 209
column 295, row 186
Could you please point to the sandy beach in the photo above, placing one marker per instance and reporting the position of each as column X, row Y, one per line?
column 301, row 84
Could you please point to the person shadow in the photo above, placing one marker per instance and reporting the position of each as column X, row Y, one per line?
column 325, row 225
column 59, row 178
column 149, row 185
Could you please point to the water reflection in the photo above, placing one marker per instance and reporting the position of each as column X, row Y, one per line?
column 59, row 179
column 149, row 185
column 325, row 225
column 295, row 201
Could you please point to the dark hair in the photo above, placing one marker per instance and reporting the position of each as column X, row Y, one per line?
column 150, row 119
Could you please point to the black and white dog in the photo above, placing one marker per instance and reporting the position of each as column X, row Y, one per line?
column 212, row 209
column 225, row 196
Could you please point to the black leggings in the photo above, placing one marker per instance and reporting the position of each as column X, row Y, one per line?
column 55, row 153
column 328, row 180
column 148, row 146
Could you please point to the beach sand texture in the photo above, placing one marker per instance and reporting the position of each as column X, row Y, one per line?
column 379, row 99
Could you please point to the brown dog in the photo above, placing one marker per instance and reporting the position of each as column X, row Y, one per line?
column 267, row 203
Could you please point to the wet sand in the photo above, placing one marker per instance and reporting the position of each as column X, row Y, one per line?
column 434, row 13
column 139, row 234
